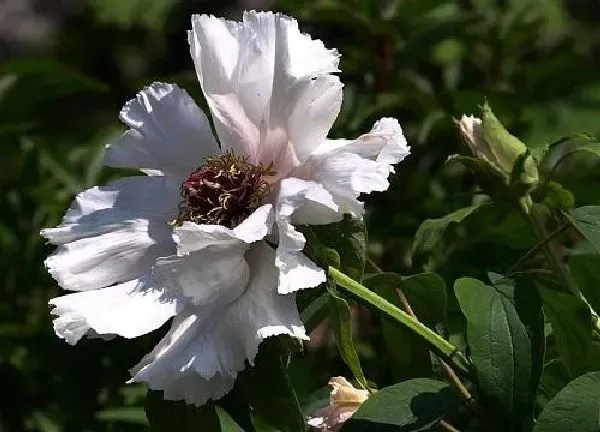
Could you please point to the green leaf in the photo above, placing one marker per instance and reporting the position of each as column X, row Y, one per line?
column 347, row 237
column 413, row 405
column 315, row 312
column 576, row 141
column 52, row 73
column 594, row 363
column 431, row 231
column 528, row 304
column 261, row 426
column 500, row 351
column 587, row 221
column 490, row 179
column 556, row 197
column 340, row 310
column 37, row 84
column 426, row 293
column 268, row 386
column 165, row 416
column 590, row 147
column 322, row 248
column 226, row 422
column 576, row 408
column 133, row 415
column 126, row 14
column 571, row 322
column 497, row 143
column 581, row 143
column 60, row 172
column 554, row 378
column 43, row 423
column 586, row 273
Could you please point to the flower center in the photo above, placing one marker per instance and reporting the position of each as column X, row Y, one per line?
column 223, row 191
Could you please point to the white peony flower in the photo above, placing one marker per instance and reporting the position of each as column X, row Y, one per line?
column 187, row 240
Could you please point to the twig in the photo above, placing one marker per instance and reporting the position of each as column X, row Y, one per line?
column 538, row 246
column 405, row 302
column 447, row 426
column 454, row 379
column 546, row 272
column 559, row 269
column 374, row 265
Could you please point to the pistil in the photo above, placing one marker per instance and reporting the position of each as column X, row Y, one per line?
column 225, row 190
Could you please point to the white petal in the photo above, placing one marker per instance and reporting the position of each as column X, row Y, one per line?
column 349, row 168
column 298, row 200
column 316, row 108
column 347, row 175
column 385, row 142
column 130, row 309
column 98, row 209
column 194, row 389
column 268, row 85
column 265, row 311
column 207, row 346
column 191, row 236
column 296, row 270
column 257, row 225
column 168, row 133
column 215, row 274
column 113, row 233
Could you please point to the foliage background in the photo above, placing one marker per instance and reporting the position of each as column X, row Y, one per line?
column 67, row 67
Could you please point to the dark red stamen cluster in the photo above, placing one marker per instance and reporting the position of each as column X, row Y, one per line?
column 223, row 191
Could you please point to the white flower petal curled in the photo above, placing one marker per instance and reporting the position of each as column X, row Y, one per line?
column 130, row 309
column 216, row 273
column 337, row 173
column 257, row 225
column 296, row 271
column 268, row 85
column 192, row 237
column 169, row 133
column 348, row 168
column 113, row 233
column 209, row 343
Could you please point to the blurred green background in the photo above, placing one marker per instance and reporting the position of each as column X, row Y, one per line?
column 67, row 67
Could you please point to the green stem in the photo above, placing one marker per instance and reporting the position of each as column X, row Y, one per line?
column 558, row 268
column 534, row 249
column 441, row 345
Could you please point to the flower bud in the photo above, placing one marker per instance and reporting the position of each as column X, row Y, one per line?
column 344, row 400
column 497, row 151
